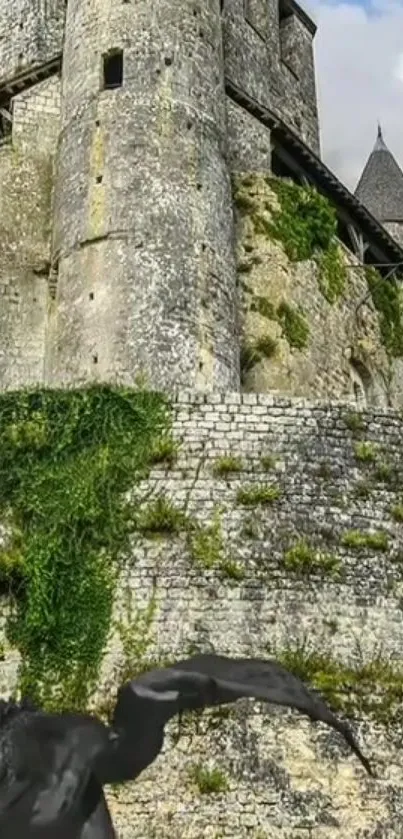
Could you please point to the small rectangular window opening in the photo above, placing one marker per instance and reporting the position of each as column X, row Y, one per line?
column 113, row 69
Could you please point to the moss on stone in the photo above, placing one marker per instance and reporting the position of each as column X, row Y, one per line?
column 305, row 221
column 306, row 225
column 332, row 272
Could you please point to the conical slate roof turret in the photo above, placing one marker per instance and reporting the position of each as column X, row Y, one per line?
column 380, row 187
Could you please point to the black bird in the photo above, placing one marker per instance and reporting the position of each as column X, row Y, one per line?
column 145, row 705
column 53, row 767
column 47, row 787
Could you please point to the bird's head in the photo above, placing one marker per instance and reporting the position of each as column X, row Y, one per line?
column 9, row 708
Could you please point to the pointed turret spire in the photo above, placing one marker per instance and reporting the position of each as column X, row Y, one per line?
column 380, row 187
column 380, row 144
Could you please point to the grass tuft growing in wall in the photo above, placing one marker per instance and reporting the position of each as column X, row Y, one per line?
column 251, row 496
column 160, row 517
column 207, row 549
column 397, row 512
column 67, row 462
column 209, row 781
column 358, row 540
column 374, row 689
column 365, row 451
column 227, row 465
column 304, row 560
column 354, row 422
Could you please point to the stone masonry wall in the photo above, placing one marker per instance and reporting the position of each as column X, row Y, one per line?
column 143, row 223
column 273, row 66
column 26, row 181
column 343, row 345
column 31, row 33
column 286, row 778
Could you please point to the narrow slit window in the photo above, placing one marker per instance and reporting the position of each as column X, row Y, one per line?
column 113, row 69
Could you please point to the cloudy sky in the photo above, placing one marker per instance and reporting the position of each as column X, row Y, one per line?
column 359, row 57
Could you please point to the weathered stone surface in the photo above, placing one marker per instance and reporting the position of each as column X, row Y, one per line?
column 287, row 777
column 344, row 350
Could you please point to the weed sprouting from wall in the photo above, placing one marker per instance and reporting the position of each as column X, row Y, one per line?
column 67, row 461
column 255, row 494
column 365, row 451
column 358, row 540
column 227, row 465
column 374, row 688
column 209, row 781
column 304, row 560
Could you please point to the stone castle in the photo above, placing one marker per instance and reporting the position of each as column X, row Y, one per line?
column 141, row 141
column 123, row 126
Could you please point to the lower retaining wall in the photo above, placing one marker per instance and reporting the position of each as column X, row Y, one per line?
column 278, row 530
column 337, row 472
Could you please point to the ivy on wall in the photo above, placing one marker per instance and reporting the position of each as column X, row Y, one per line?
column 306, row 224
column 67, row 461
column 388, row 301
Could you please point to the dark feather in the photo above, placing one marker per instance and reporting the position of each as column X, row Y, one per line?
column 47, row 787
column 145, row 705
column 53, row 766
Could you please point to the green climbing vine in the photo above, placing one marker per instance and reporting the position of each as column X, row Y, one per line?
column 388, row 301
column 67, row 461
column 304, row 222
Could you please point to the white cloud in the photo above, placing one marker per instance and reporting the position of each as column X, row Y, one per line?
column 359, row 67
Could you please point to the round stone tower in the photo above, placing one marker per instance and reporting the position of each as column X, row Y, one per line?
column 143, row 246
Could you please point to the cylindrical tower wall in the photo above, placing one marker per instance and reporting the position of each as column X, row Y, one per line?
column 143, row 229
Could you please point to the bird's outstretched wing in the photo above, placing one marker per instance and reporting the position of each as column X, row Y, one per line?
column 47, row 783
column 207, row 680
